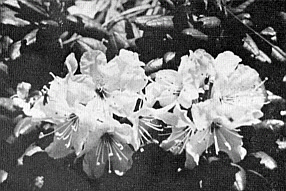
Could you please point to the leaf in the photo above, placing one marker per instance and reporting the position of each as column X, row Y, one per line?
column 158, row 23
column 271, row 124
column 6, row 104
column 240, row 178
column 88, row 8
column 247, row 22
column 12, row 3
column 244, row 16
column 142, row 20
column 262, row 57
column 32, row 149
column 281, row 143
column 32, row 11
column 266, row 160
column 3, row 71
column 210, row 22
column 269, row 31
column 93, row 43
column 89, row 27
column 3, row 176
column 7, row 17
column 244, row 5
column 25, row 126
column 121, row 40
column 15, row 50
column 5, row 43
column 278, row 54
column 195, row 33
column 250, row 45
column 153, row 66
column 30, row 38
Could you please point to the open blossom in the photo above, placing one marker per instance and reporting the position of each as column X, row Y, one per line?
column 119, row 82
column 108, row 145
column 235, row 97
column 146, row 119
column 182, row 86
column 81, row 108
column 65, row 105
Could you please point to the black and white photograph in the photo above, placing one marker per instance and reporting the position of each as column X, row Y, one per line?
column 142, row 95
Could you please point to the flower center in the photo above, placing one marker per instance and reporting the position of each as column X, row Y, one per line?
column 109, row 147
column 101, row 93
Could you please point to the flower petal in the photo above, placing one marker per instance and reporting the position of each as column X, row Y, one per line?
column 197, row 144
column 71, row 63
column 226, row 62
column 90, row 63
column 231, row 142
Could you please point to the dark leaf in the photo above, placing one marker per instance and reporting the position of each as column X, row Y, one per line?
column 262, row 57
column 195, row 33
column 3, row 176
column 25, row 126
column 89, row 27
column 278, row 54
column 120, row 40
column 247, row 22
column 274, row 125
column 281, row 143
column 244, row 16
column 15, row 50
column 269, row 31
column 5, row 43
column 30, row 38
column 32, row 11
column 250, row 45
column 160, row 23
column 92, row 43
column 240, row 178
column 210, row 22
column 112, row 48
column 142, row 20
column 266, row 160
column 6, row 104
column 244, row 5
column 153, row 66
column 169, row 60
column 7, row 17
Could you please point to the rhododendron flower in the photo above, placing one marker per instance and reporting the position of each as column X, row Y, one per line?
column 170, row 87
column 215, row 127
column 119, row 81
column 235, row 97
column 182, row 86
column 108, row 145
column 72, row 134
column 182, row 128
column 64, row 95
column 147, row 118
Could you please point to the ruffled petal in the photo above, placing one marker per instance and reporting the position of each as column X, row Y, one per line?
column 123, row 103
column 230, row 142
column 226, row 62
column 201, row 114
column 91, row 63
column 152, row 92
column 197, row 144
column 187, row 95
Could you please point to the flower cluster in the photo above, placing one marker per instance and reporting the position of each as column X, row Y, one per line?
column 104, row 111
